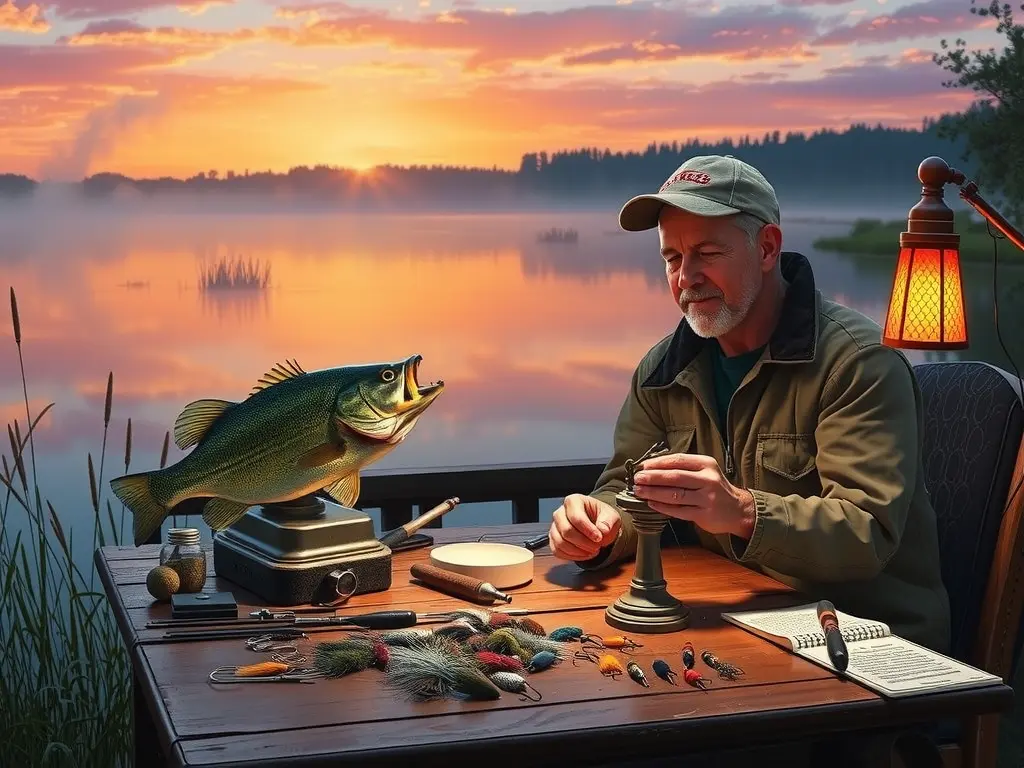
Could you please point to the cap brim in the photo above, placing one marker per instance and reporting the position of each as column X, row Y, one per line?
column 642, row 211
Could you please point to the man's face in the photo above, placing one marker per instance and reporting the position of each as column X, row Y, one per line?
column 712, row 268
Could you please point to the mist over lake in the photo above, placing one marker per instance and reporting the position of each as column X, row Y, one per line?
column 536, row 341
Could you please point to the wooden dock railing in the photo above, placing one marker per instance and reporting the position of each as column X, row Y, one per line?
column 395, row 492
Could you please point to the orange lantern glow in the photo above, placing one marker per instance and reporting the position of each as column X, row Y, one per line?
column 926, row 305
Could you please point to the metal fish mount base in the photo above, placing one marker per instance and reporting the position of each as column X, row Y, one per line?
column 296, row 434
column 286, row 553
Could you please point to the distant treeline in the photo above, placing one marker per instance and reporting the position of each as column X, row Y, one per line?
column 835, row 163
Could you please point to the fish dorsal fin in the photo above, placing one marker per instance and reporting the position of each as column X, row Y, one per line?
column 195, row 420
column 345, row 491
column 289, row 369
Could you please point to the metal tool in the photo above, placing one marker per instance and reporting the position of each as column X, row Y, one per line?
column 536, row 543
column 398, row 535
column 376, row 620
column 457, row 584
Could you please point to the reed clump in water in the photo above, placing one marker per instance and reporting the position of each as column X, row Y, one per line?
column 65, row 689
column 234, row 274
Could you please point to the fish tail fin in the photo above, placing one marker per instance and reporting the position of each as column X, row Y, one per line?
column 135, row 492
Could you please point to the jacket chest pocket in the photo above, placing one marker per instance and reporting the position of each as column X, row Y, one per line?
column 785, row 465
column 680, row 439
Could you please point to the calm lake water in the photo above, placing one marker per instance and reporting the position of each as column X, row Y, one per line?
column 535, row 342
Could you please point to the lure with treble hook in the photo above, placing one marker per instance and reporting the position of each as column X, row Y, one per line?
column 693, row 677
column 610, row 666
column 617, row 642
column 688, row 655
column 664, row 671
column 634, row 671
column 264, row 672
column 725, row 670
column 513, row 683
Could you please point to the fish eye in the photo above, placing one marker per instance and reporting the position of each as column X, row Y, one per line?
column 387, row 374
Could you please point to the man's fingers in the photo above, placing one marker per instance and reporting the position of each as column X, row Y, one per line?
column 674, row 495
column 677, row 478
column 690, row 461
column 576, row 513
column 566, row 550
column 577, row 538
column 607, row 521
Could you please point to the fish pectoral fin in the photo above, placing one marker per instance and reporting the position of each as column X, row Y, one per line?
column 290, row 369
column 196, row 419
column 320, row 455
column 221, row 513
column 345, row 491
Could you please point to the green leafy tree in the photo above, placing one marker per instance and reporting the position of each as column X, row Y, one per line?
column 993, row 126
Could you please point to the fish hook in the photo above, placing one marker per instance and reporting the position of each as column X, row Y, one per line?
column 296, row 675
column 588, row 638
column 525, row 696
column 581, row 654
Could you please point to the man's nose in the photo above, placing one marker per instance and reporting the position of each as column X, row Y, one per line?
column 688, row 276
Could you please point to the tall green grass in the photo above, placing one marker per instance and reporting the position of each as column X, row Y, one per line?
column 64, row 671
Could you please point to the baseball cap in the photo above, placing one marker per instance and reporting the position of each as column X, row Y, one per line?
column 706, row 185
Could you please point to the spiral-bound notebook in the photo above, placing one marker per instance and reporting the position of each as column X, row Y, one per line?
column 882, row 661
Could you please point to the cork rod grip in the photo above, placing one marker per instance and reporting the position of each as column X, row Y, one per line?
column 455, row 583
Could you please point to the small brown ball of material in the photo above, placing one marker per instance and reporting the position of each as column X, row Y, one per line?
column 162, row 582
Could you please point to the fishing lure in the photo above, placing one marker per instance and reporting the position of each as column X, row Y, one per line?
column 503, row 641
column 688, row 655
column 527, row 624
column 338, row 658
column 664, row 671
column 725, row 670
column 534, row 643
column 610, row 666
column 431, row 671
column 513, row 683
column 264, row 672
column 491, row 662
column 693, row 677
column 565, row 634
column 541, row 661
column 634, row 671
column 615, row 641
column 459, row 629
column 404, row 637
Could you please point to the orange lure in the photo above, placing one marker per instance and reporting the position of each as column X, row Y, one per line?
column 610, row 666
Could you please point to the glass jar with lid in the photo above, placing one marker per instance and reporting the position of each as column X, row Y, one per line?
column 184, row 553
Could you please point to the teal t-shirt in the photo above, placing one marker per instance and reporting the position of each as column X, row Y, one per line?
column 728, row 373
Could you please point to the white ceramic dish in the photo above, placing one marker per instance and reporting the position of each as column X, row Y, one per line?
column 503, row 565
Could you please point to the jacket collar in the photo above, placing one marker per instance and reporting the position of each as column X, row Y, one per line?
column 793, row 340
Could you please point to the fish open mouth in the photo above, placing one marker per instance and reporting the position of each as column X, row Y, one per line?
column 413, row 390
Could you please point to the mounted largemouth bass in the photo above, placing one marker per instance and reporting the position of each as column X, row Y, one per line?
column 296, row 433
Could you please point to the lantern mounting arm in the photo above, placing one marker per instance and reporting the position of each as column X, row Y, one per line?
column 935, row 172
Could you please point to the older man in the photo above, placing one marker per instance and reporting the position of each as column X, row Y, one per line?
column 795, row 435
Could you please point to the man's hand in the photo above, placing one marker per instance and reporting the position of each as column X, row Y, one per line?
column 692, row 487
column 581, row 526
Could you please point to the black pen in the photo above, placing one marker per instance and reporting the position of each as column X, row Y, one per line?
column 834, row 642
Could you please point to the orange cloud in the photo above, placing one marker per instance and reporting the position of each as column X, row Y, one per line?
column 27, row 19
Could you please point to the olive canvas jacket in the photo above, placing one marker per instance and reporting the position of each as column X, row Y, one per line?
column 825, row 432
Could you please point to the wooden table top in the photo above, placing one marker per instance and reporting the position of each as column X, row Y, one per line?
column 356, row 720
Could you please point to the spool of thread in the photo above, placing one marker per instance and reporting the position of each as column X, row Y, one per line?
column 457, row 584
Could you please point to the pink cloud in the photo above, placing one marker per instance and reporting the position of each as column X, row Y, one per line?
column 591, row 34
column 924, row 19
column 85, row 9
column 896, row 94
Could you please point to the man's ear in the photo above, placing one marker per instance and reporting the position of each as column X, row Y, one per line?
column 769, row 243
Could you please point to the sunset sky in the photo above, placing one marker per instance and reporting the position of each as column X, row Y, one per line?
column 148, row 87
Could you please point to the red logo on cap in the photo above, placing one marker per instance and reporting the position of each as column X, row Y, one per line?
column 694, row 177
